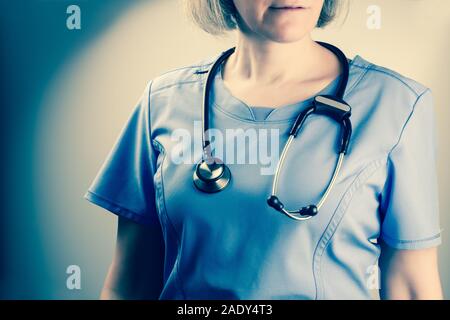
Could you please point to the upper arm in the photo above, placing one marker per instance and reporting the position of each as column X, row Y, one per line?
column 409, row 274
column 124, row 186
column 137, row 268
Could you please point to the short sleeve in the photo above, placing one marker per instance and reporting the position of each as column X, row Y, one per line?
column 409, row 201
column 124, row 183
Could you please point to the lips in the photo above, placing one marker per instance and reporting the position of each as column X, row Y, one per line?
column 287, row 8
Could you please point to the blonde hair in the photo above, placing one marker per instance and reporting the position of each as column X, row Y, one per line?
column 219, row 16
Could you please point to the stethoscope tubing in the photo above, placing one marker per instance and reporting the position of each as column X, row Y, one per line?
column 333, row 106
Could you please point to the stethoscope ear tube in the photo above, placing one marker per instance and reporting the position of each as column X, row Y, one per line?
column 307, row 212
column 301, row 118
column 342, row 115
column 346, row 135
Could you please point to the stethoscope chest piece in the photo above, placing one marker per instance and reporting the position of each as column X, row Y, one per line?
column 211, row 178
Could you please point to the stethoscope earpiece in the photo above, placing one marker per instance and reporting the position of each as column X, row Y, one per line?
column 212, row 175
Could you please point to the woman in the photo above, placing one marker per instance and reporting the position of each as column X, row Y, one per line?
column 177, row 242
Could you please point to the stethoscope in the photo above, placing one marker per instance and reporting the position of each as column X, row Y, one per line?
column 212, row 175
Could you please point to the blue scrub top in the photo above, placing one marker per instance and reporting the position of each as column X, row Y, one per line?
column 231, row 244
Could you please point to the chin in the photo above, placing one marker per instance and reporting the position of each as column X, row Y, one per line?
column 287, row 35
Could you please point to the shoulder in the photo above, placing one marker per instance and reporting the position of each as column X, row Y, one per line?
column 391, row 100
column 182, row 75
column 384, row 81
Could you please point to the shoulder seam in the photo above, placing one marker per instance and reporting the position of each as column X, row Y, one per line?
column 149, row 90
column 360, row 65
column 407, row 121
column 393, row 75
column 149, row 116
column 200, row 66
column 182, row 68
column 176, row 84
column 359, row 79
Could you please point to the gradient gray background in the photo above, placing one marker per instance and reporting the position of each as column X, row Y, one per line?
column 67, row 94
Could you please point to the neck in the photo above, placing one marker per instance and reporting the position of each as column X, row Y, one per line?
column 268, row 62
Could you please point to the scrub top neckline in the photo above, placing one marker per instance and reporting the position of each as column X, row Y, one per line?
column 261, row 113
column 224, row 100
